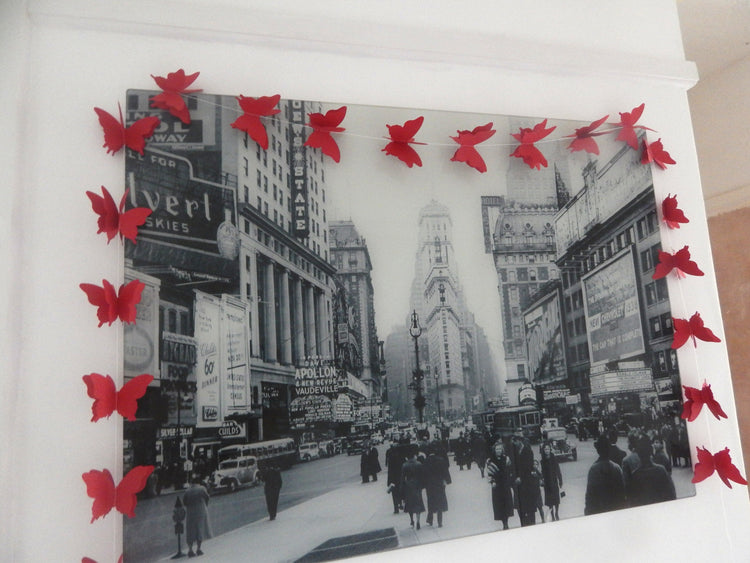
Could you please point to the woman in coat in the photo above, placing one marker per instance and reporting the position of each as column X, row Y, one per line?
column 500, row 474
column 552, row 478
column 197, row 527
column 437, row 477
column 412, row 483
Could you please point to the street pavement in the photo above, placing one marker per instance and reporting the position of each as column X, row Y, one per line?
column 365, row 511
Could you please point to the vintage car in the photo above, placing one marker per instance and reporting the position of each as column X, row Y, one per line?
column 309, row 451
column 356, row 445
column 557, row 438
column 233, row 473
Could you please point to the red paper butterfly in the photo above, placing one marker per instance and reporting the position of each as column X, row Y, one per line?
column 101, row 487
column 116, row 134
column 655, row 153
column 721, row 462
column 684, row 329
column 254, row 109
column 696, row 398
column 173, row 85
column 531, row 155
column 672, row 214
column 112, row 305
column 107, row 399
column 679, row 261
column 584, row 137
column 89, row 560
column 112, row 220
column 401, row 137
column 323, row 126
column 628, row 126
column 468, row 140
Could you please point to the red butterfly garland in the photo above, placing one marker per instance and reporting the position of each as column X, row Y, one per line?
column 112, row 220
column 655, row 153
column 685, row 329
column 696, row 398
column 468, row 140
column 628, row 126
column 323, row 126
column 401, row 137
column 116, row 134
column 584, row 137
column 254, row 109
column 531, row 155
column 89, row 560
column 170, row 99
column 721, row 463
column 107, row 399
column 112, row 305
column 679, row 261
column 101, row 487
column 671, row 214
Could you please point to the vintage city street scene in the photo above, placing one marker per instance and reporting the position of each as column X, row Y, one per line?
column 352, row 356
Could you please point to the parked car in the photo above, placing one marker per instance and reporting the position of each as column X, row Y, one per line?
column 557, row 438
column 309, row 451
column 356, row 445
column 377, row 438
column 326, row 448
column 234, row 473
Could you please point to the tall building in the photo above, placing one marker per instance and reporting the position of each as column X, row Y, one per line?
column 356, row 334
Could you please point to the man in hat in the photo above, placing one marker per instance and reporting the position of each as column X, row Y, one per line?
column 526, row 486
column 605, row 488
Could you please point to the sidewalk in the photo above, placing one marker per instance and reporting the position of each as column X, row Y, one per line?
column 354, row 509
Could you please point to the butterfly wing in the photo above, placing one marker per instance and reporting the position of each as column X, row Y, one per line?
column 693, row 405
column 585, row 143
column 665, row 265
column 712, row 404
column 131, row 220
column 127, row 397
column 406, row 132
column 700, row 331
column 105, row 207
column 404, row 153
column 324, row 141
column 101, row 487
column 174, row 104
column 705, row 466
column 681, row 332
column 131, row 484
column 136, row 134
column 127, row 299
column 252, row 125
column 104, row 298
column 470, row 156
column 114, row 131
column 101, row 388
column 683, row 262
column 726, row 469
column 531, row 156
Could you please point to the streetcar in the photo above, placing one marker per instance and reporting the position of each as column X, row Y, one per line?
column 506, row 421
column 282, row 451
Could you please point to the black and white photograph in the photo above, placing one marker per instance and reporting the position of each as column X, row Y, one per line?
column 361, row 355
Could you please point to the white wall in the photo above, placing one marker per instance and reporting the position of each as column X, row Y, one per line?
column 579, row 59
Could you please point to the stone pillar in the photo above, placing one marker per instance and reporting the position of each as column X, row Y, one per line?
column 299, row 323
column 286, row 329
column 311, row 338
column 322, row 326
column 269, row 300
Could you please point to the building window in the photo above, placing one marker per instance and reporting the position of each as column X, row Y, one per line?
column 246, row 166
column 520, row 371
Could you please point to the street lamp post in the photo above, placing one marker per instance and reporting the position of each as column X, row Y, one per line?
column 419, row 401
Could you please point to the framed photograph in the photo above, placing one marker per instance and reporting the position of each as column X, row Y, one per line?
column 361, row 354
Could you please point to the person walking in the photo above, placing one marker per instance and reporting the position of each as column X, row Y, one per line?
column 479, row 452
column 394, row 460
column 197, row 526
column 526, row 485
column 437, row 477
column 605, row 488
column 412, row 483
column 272, row 482
column 649, row 483
column 373, row 462
column 553, row 482
column 500, row 476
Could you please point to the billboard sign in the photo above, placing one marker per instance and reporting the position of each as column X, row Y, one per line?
column 613, row 315
column 544, row 339
column 208, row 359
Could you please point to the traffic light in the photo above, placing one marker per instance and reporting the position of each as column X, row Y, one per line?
column 419, row 402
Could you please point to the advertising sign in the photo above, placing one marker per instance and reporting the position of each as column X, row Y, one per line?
column 613, row 316
column 236, row 373
column 141, row 339
column 300, row 214
column 621, row 381
column 208, row 359
column 178, row 359
column 544, row 340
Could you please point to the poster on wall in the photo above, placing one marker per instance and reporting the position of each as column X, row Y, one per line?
column 358, row 289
